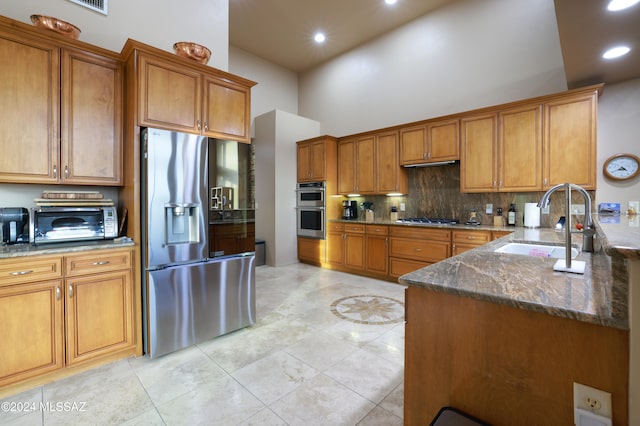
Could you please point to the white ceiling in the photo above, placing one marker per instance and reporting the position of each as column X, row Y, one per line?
column 281, row 31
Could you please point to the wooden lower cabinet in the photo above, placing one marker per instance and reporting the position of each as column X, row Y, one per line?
column 377, row 249
column 76, row 308
column 412, row 248
column 467, row 240
column 312, row 251
column 345, row 246
column 32, row 339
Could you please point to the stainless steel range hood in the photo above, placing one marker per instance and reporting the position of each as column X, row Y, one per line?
column 437, row 163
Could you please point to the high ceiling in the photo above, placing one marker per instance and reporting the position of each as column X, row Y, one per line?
column 281, row 31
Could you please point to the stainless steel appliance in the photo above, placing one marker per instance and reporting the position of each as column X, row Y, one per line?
column 67, row 224
column 14, row 221
column 310, row 209
column 188, row 298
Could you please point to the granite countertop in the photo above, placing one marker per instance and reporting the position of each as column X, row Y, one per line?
column 600, row 296
column 19, row 250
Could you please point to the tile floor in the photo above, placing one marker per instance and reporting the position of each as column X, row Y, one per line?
column 316, row 356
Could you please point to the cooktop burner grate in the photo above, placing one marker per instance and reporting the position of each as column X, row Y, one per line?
column 429, row 220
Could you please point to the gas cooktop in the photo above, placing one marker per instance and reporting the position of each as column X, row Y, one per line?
column 429, row 220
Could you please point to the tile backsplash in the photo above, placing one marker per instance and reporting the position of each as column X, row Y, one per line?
column 435, row 192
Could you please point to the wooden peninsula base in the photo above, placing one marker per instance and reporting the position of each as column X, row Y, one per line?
column 504, row 365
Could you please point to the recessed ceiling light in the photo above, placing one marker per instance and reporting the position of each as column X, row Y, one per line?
column 394, row 1
column 319, row 38
column 615, row 5
column 616, row 52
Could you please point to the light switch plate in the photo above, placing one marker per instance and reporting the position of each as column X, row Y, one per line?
column 489, row 209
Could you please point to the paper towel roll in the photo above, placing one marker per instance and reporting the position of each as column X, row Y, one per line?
column 531, row 215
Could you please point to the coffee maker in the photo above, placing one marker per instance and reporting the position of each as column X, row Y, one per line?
column 13, row 221
column 349, row 210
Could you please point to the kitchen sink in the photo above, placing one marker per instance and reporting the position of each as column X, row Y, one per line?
column 539, row 250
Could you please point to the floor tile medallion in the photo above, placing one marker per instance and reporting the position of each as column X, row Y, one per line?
column 369, row 309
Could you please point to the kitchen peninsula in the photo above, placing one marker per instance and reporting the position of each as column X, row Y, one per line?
column 504, row 337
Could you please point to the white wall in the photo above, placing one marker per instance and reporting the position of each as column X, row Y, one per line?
column 202, row 21
column 466, row 55
column 618, row 132
column 277, row 87
column 275, row 148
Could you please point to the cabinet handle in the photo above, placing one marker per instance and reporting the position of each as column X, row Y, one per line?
column 500, row 184
column 55, row 171
column 58, row 292
column 66, row 171
column 470, row 237
column 198, row 123
column 70, row 291
column 101, row 262
column 429, row 156
column 206, row 126
column 21, row 272
column 418, row 249
column 494, row 183
column 545, row 181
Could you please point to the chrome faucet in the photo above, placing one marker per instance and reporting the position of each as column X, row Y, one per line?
column 588, row 230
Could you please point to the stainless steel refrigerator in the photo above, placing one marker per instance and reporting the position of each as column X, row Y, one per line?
column 187, row 297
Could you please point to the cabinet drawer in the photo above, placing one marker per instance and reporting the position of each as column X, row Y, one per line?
column 420, row 233
column 398, row 267
column 95, row 262
column 356, row 229
column 335, row 227
column 471, row 237
column 377, row 230
column 428, row 251
column 30, row 269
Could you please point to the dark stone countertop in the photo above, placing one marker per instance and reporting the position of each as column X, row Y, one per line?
column 20, row 250
column 600, row 296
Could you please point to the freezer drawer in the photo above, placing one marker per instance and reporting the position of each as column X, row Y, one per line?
column 192, row 303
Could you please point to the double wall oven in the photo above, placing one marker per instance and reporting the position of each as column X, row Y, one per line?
column 310, row 208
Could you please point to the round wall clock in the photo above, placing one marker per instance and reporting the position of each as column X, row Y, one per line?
column 621, row 167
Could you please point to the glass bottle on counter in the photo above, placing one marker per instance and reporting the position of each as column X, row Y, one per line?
column 511, row 215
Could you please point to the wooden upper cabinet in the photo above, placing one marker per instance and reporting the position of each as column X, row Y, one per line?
column 91, row 125
column 430, row 142
column 392, row 178
column 347, row 155
column 478, row 156
column 61, row 109
column 311, row 160
column 520, row 149
column 174, row 93
column 169, row 96
column 570, row 140
column 357, row 166
column 226, row 110
column 29, row 107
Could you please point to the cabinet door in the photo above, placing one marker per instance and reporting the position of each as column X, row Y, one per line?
column 570, row 141
column 311, row 250
column 347, row 167
column 335, row 247
column 99, row 315
column 226, row 110
column 366, row 165
column 520, row 149
column 91, row 122
column 304, row 161
column 377, row 252
column 32, row 330
column 29, row 107
column 413, row 145
column 169, row 96
column 354, row 250
column 317, row 161
column 443, row 141
column 478, row 156
column 391, row 176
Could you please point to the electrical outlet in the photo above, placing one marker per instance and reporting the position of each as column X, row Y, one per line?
column 489, row 209
column 578, row 208
column 402, row 207
column 591, row 399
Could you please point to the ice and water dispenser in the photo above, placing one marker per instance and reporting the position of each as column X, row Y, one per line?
column 181, row 223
